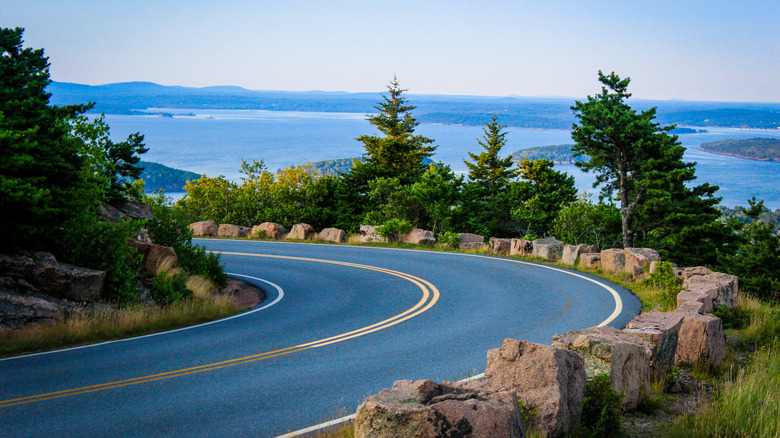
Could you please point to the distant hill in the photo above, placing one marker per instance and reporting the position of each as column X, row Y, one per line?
column 680, row 131
column 558, row 153
column 338, row 165
column 331, row 167
column 159, row 177
column 764, row 149
column 524, row 112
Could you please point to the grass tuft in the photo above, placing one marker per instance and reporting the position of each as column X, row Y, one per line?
column 110, row 323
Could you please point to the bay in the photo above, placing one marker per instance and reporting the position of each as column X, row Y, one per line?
column 213, row 142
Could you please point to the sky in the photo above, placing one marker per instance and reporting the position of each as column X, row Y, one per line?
column 695, row 50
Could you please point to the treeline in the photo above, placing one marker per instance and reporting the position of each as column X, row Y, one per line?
column 762, row 148
column 657, row 205
column 766, row 216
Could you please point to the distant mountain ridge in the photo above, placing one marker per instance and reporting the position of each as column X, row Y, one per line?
column 526, row 112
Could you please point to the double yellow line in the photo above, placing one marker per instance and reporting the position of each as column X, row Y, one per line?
column 430, row 295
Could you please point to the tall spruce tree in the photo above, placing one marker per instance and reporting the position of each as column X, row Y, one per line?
column 398, row 152
column 39, row 162
column 637, row 158
column 486, row 201
column 395, row 154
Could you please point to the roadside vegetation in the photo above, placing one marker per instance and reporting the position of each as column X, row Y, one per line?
column 110, row 323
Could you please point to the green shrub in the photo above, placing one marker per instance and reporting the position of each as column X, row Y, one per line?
column 170, row 229
column 732, row 318
column 92, row 243
column 394, row 227
column 600, row 409
column 450, row 238
column 528, row 413
column 169, row 288
column 665, row 281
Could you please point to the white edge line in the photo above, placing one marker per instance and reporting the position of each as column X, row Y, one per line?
column 240, row 315
column 618, row 310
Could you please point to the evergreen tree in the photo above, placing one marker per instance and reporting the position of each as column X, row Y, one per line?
column 111, row 166
column 487, row 168
column 757, row 260
column 541, row 195
column 487, row 208
column 398, row 153
column 39, row 162
column 637, row 158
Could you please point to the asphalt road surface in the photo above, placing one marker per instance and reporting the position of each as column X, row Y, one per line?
column 339, row 324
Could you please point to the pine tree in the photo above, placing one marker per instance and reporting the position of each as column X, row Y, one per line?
column 398, row 153
column 637, row 158
column 39, row 163
column 487, row 208
column 487, row 168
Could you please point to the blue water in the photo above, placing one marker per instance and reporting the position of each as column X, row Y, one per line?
column 214, row 142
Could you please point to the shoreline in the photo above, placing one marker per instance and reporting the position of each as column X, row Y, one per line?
column 738, row 156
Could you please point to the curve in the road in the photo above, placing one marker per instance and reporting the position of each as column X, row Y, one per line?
column 483, row 300
column 430, row 295
column 279, row 296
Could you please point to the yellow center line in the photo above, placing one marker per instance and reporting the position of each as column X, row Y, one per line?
column 428, row 300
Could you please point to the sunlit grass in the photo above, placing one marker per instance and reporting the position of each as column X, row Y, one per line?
column 110, row 323
column 749, row 404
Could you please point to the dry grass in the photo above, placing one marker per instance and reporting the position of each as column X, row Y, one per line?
column 201, row 287
column 109, row 323
column 343, row 430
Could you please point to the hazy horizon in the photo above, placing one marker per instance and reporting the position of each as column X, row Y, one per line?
column 695, row 50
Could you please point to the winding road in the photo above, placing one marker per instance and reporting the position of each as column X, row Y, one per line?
column 339, row 324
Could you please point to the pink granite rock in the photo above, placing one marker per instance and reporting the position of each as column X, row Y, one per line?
column 301, row 232
column 333, row 235
column 548, row 248
column 549, row 378
column 702, row 342
column 661, row 330
column 268, row 230
column 571, row 253
column 418, row 237
column 624, row 357
column 425, row 409
column 722, row 288
column 500, row 246
column 204, row 228
column 590, row 260
column 229, row 230
column 638, row 261
column 613, row 260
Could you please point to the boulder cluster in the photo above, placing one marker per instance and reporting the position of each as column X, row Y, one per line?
column 36, row 288
column 271, row 230
column 552, row 378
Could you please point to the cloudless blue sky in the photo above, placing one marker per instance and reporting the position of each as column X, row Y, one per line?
column 696, row 50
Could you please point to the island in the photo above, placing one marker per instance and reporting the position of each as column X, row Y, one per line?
column 679, row 130
column 558, row 153
column 160, row 177
column 760, row 148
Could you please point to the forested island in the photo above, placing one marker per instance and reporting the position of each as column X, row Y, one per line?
column 558, row 153
column 159, row 177
column 762, row 148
